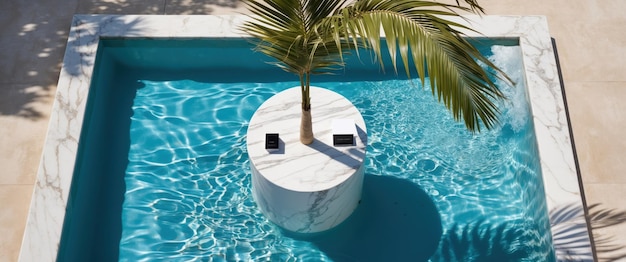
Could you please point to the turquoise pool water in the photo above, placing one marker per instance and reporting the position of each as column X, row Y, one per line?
column 163, row 173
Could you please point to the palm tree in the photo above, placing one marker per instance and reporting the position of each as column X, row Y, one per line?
column 311, row 37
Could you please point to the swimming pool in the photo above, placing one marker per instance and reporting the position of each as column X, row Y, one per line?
column 164, row 141
column 486, row 228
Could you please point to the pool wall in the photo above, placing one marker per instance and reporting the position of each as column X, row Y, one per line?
column 58, row 163
column 94, row 209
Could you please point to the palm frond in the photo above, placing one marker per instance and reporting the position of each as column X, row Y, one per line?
column 473, row 5
column 311, row 36
column 287, row 31
column 418, row 31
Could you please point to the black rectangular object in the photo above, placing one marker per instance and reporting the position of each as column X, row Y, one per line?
column 343, row 139
column 271, row 141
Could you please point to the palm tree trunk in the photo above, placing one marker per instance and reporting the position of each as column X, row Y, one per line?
column 306, row 127
column 306, row 124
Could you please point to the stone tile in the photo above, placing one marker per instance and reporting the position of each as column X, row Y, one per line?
column 585, row 32
column 591, row 50
column 14, row 204
column 610, row 197
column 28, row 101
column 139, row 7
column 24, row 112
column 204, row 7
column 529, row 7
column 20, row 149
column 598, row 120
column 33, row 41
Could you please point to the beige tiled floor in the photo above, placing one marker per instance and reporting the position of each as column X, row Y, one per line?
column 588, row 34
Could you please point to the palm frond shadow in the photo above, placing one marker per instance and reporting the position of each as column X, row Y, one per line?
column 571, row 238
column 482, row 241
column 605, row 217
column 606, row 247
column 570, row 235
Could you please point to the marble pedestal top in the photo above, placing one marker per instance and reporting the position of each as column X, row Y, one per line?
column 298, row 167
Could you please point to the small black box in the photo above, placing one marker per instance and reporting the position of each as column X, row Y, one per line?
column 271, row 141
column 343, row 139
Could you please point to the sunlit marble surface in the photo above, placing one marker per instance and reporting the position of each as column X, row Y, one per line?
column 50, row 197
column 306, row 188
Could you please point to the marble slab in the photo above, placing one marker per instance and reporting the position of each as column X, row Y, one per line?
column 50, row 197
column 306, row 188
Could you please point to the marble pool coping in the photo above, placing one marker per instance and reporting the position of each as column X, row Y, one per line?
column 52, row 187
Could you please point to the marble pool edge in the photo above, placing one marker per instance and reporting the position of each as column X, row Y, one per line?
column 47, row 210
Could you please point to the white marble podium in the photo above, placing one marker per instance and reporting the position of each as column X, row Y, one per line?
column 306, row 188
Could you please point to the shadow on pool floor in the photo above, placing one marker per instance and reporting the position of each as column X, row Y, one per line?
column 397, row 221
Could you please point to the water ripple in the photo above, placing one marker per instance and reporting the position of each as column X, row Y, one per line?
column 188, row 185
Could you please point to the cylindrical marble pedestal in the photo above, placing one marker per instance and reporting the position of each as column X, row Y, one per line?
column 306, row 188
